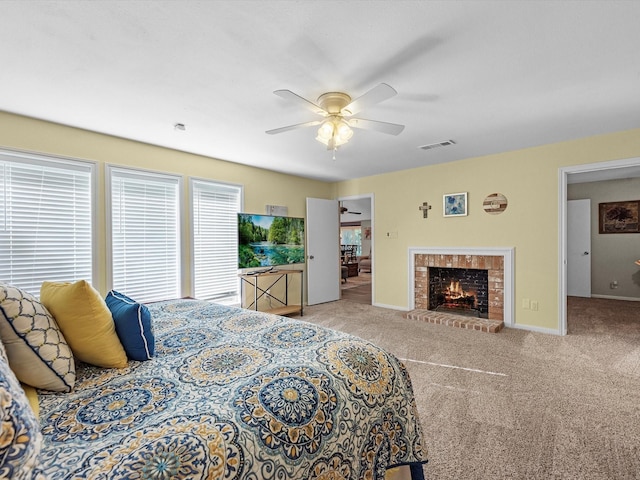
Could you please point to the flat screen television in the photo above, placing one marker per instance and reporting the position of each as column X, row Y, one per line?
column 269, row 241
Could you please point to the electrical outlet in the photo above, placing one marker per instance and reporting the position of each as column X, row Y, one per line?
column 526, row 303
column 534, row 305
column 613, row 285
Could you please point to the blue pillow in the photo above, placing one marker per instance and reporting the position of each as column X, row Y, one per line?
column 133, row 326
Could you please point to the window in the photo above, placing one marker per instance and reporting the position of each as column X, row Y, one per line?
column 351, row 235
column 45, row 220
column 214, row 209
column 145, row 234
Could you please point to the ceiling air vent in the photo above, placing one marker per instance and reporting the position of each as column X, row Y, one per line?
column 431, row 146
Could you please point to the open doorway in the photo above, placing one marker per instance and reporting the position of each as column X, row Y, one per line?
column 595, row 172
column 356, row 248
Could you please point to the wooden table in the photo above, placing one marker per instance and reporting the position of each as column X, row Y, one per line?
column 261, row 283
column 352, row 269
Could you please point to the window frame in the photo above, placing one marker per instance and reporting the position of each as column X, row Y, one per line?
column 192, row 182
column 60, row 161
column 354, row 228
column 134, row 171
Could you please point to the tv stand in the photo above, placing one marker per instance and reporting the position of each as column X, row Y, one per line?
column 261, row 284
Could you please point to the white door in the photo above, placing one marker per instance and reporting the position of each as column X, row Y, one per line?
column 579, row 248
column 323, row 258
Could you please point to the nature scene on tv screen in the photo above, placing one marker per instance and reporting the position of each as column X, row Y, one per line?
column 267, row 241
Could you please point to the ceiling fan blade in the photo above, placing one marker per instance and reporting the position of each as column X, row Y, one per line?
column 293, row 127
column 376, row 95
column 383, row 127
column 289, row 95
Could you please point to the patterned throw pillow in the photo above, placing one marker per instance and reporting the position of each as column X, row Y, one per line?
column 37, row 350
column 21, row 440
column 133, row 326
column 86, row 322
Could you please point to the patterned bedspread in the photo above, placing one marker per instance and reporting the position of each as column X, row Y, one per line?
column 236, row 394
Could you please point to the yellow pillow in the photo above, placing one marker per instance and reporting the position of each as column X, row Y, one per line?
column 85, row 321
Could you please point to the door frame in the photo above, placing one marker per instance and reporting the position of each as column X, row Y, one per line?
column 371, row 198
column 563, row 180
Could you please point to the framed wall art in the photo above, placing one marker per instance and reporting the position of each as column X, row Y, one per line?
column 619, row 217
column 454, row 204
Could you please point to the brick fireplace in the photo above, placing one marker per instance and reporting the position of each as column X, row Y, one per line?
column 442, row 266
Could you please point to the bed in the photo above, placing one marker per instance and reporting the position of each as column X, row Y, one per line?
column 235, row 394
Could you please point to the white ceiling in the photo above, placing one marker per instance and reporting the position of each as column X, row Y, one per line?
column 493, row 76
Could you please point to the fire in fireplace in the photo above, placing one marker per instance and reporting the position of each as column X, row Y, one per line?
column 462, row 291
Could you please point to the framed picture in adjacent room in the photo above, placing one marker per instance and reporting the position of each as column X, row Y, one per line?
column 454, row 204
column 619, row 217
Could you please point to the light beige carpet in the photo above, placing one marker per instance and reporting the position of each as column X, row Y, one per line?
column 517, row 404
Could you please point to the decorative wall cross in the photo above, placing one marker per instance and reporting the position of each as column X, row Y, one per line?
column 425, row 207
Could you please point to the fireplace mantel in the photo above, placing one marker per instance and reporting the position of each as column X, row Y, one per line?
column 468, row 254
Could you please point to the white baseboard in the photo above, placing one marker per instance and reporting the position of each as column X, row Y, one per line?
column 614, row 297
column 391, row 307
column 531, row 328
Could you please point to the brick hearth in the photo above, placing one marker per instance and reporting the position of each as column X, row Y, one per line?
column 459, row 321
column 494, row 264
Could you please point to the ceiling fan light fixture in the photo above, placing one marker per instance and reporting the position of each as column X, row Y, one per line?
column 344, row 132
column 337, row 109
column 325, row 132
column 334, row 132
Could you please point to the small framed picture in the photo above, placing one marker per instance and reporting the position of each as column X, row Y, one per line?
column 454, row 204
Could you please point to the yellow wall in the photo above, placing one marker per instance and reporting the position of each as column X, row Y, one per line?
column 529, row 180
column 261, row 187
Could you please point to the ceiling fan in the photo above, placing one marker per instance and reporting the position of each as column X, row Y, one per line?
column 338, row 109
column 346, row 210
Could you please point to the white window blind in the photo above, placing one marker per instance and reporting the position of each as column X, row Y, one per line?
column 145, row 234
column 215, row 239
column 45, row 221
